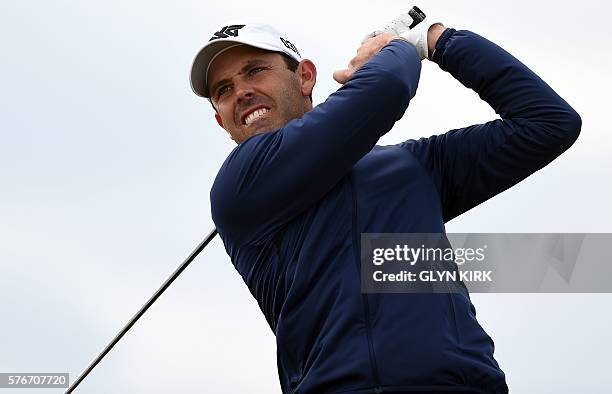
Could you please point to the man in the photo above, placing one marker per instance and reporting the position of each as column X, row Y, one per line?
column 303, row 183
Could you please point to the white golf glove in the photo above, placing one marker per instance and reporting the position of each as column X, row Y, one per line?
column 412, row 26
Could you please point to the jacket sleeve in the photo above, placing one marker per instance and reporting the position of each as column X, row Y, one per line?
column 272, row 177
column 472, row 164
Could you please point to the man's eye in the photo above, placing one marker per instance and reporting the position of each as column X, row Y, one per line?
column 255, row 70
column 222, row 90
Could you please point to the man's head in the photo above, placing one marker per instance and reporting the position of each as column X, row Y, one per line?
column 254, row 78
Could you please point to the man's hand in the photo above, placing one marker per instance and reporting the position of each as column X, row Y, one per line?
column 416, row 28
column 368, row 48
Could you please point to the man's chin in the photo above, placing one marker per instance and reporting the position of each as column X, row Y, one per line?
column 261, row 127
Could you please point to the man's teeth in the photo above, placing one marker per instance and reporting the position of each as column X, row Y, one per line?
column 254, row 115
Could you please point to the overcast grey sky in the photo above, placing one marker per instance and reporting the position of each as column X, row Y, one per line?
column 107, row 159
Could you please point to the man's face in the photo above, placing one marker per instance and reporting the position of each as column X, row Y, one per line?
column 253, row 91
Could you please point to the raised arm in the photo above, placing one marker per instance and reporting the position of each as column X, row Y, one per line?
column 472, row 164
column 272, row 177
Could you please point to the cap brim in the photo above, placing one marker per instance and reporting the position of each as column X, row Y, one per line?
column 200, row 65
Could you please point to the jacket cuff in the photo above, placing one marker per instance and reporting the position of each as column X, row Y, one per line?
column 441, row 43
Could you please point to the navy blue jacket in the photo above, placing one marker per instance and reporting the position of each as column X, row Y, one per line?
column 290, row 206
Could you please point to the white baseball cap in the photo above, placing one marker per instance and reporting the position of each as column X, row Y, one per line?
column 256, row 34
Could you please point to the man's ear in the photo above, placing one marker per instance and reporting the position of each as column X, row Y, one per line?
column 219, row 120
column 308, row 76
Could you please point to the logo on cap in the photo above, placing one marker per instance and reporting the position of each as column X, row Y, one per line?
column 290, row 46
column 227, row 31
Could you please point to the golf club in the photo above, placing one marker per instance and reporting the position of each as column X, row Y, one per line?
column 142, row 310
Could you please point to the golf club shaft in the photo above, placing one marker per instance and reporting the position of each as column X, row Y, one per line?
column 142, row 310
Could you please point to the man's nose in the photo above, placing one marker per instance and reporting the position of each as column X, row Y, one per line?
column 244, row 92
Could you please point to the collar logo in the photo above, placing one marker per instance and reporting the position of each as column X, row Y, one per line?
column 227, row 31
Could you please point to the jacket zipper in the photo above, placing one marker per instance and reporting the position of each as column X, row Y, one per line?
column 366, row 303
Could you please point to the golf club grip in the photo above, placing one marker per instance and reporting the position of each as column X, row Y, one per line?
column 417, row 16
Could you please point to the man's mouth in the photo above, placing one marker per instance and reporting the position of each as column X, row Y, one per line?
column 251, row 116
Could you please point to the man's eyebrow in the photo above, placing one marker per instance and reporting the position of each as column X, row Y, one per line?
column 245, row 68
